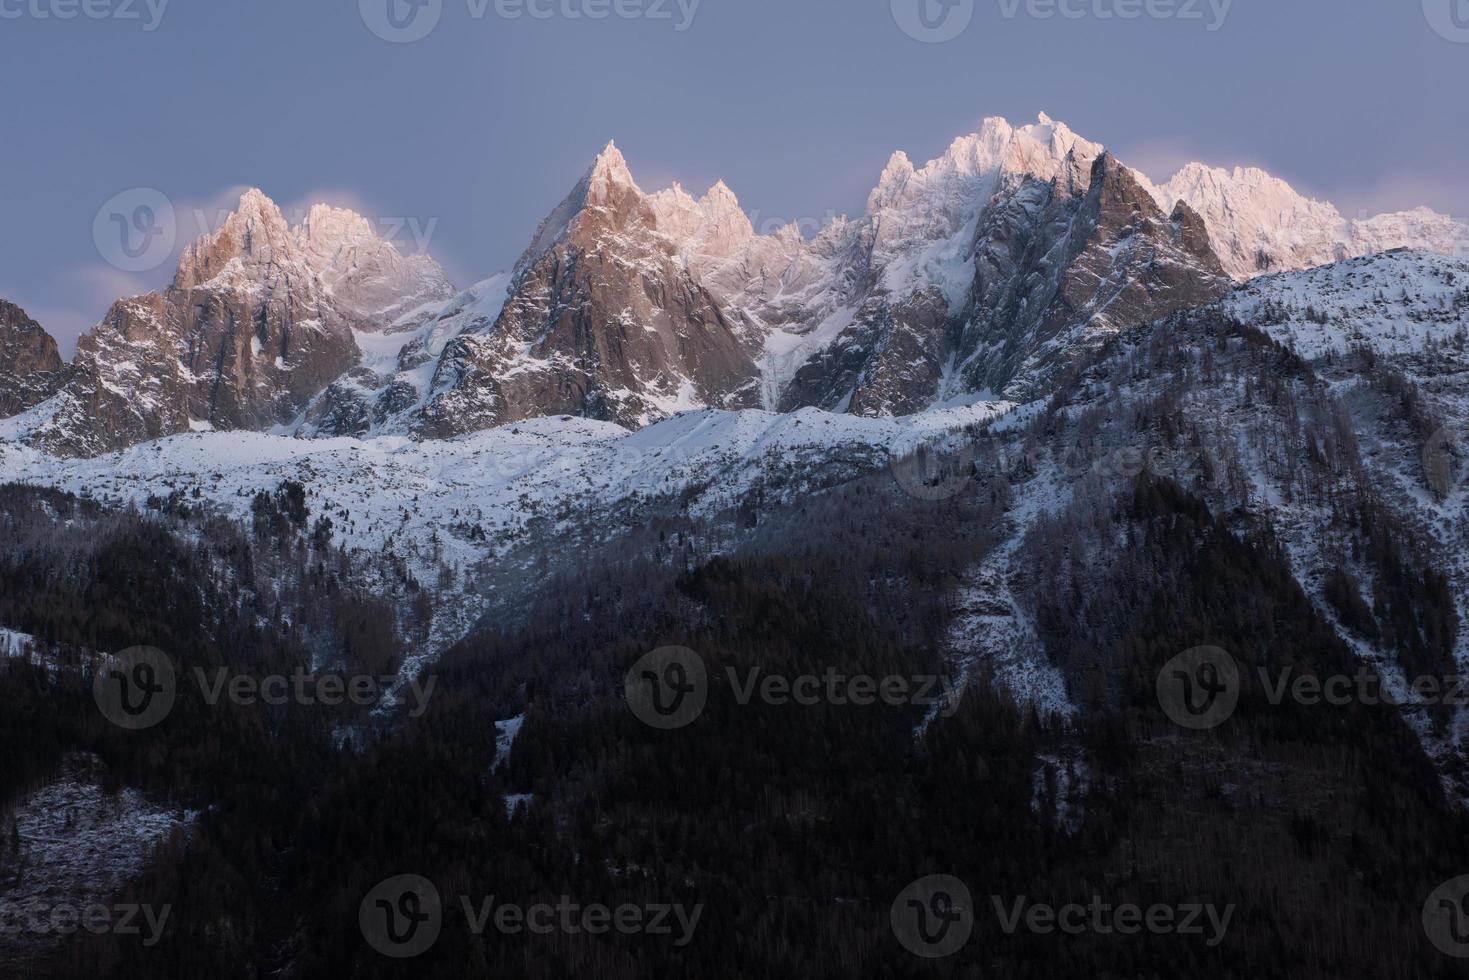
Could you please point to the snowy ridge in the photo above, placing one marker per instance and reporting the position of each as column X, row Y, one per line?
column 477, row 496
column 1259, row 224
column 1397, row 304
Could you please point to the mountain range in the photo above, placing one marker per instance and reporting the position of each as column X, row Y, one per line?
column 1031, row 424
column 980, row 276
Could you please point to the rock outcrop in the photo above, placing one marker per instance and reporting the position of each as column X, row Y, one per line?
column 245, row 336
column 604, row 320
column 31, row 368
column 981, row 272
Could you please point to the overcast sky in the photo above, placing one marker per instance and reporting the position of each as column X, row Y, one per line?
column 470, row 134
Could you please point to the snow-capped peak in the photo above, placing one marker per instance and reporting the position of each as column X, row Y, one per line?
column 713, row 227
column 336, row 248
column 1259, row 224
column 255, row 234
column 720, row 196
column 329, row 228
column 255, row 204
column 608, row 186
column 609, row 173
column 899, row 168
column 966, row 174
column 366, row 272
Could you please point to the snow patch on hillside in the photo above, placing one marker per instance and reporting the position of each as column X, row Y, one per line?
column 79, row 846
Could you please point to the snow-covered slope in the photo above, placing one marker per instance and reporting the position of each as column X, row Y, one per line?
column 1391, row 332
column 1390, row 335
column 504, row 475
column 1338, row 437
column 465, row 501
column 1399, row 304
column 476, row 501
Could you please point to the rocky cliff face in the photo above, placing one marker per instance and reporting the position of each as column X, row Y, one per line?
column 863, row 318
column 978, row 274
column 988, row 266
column 603, row 320
column 1064, row 265
column 259, row 319
column 387, row 392
column 31, row 369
